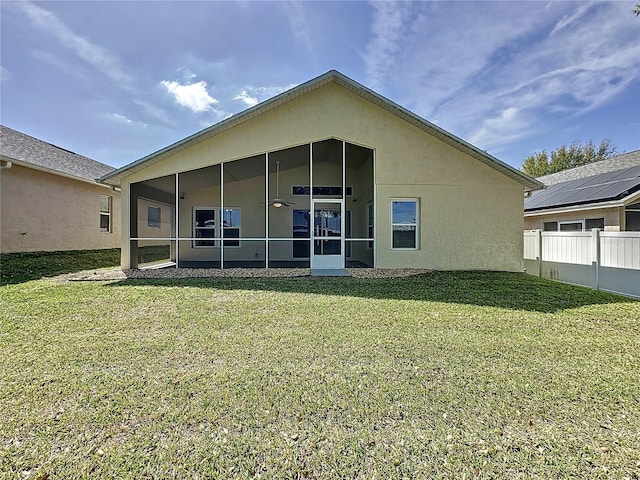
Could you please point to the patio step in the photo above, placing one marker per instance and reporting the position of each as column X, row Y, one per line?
column 329, row 272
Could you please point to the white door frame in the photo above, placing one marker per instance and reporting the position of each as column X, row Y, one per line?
column 327, row 261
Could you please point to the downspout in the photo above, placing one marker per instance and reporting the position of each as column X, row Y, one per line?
column 5, row 165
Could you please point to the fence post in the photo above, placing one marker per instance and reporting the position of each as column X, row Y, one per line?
column 539, row 241
column 595, row 238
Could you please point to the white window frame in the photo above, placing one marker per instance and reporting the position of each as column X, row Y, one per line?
column 218, row 228
column 231, row 227
column 195, row 229
column 371, row 224
column 416, row 224
column 105, row 214
column 571, row 222
column 154, row 225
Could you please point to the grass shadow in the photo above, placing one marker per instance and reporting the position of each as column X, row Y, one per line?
column 515, row 291
column 24, row 267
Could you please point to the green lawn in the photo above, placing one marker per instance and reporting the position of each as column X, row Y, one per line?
column 445, row 375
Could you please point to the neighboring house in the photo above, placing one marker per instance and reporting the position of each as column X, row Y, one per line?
column 326, row 175
column 50, row 199
column 604, row 194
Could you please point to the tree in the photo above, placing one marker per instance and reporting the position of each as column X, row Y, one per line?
column 574, row 155
column 637, row 9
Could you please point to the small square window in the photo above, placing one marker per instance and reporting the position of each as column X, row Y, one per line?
column 590, row 223
column 153, row 216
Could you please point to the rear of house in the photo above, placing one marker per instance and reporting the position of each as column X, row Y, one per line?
column 327, row 175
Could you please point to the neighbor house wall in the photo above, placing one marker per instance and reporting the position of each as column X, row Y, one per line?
column 41, row 211
column 471, row 215
column 613, row 218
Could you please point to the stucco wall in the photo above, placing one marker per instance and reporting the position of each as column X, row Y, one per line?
column 471, row 215
column 612, row 218
column 40, row 211
column 163, row 230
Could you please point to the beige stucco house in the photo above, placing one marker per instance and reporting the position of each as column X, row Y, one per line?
column 328, row 175
column 604, row 195
column 50, row 199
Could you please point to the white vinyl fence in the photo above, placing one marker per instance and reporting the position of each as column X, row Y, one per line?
column 601, row 260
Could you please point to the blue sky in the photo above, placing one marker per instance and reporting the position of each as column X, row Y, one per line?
column 117, row 81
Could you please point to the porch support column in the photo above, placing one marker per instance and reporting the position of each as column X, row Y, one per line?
column 311, row 212
column 177, row 219
column 221, row 219
column 266, row 210
column 132, row 228
column 343, row 208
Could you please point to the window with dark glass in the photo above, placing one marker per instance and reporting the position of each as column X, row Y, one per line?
column 231, row 226
column 404, row 224
column 590, row 223
column 105, row 213
column 153, row 216
column 204, row 226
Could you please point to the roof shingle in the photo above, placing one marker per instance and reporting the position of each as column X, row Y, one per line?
column 19, row 147
column 618, row 162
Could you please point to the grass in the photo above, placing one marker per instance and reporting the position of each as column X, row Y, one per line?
column 446, row 375
column 23, row 267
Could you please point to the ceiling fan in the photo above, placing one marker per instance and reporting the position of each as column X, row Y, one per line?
column 278, row 202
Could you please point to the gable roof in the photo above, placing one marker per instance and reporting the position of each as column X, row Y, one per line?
column 613, row 180
column 28, row 151
column 354, row 87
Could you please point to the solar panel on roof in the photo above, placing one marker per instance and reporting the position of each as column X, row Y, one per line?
column 585, row 194
column 604, row 186
column 620, row 188
column 632, row 172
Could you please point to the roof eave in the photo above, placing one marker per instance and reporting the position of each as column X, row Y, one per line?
column 528, row 182
column 52, row 172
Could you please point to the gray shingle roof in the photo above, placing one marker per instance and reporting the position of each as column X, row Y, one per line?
column 22, row 148
column 618, row 162
column 607, row 180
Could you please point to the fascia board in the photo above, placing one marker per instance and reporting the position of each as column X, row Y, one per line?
column 53, row 172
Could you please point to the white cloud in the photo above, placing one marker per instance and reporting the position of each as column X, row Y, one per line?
column 505, row 67
column 5, row 74
column 508, row 126
column 390, row 23
column 243, row 96
column 122, row 118
column 193, row 96
column 299, row 25
column 97, row 56
column 251, row 95
column 567, row 20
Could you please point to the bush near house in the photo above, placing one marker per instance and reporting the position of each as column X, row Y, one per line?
column 444, row 375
